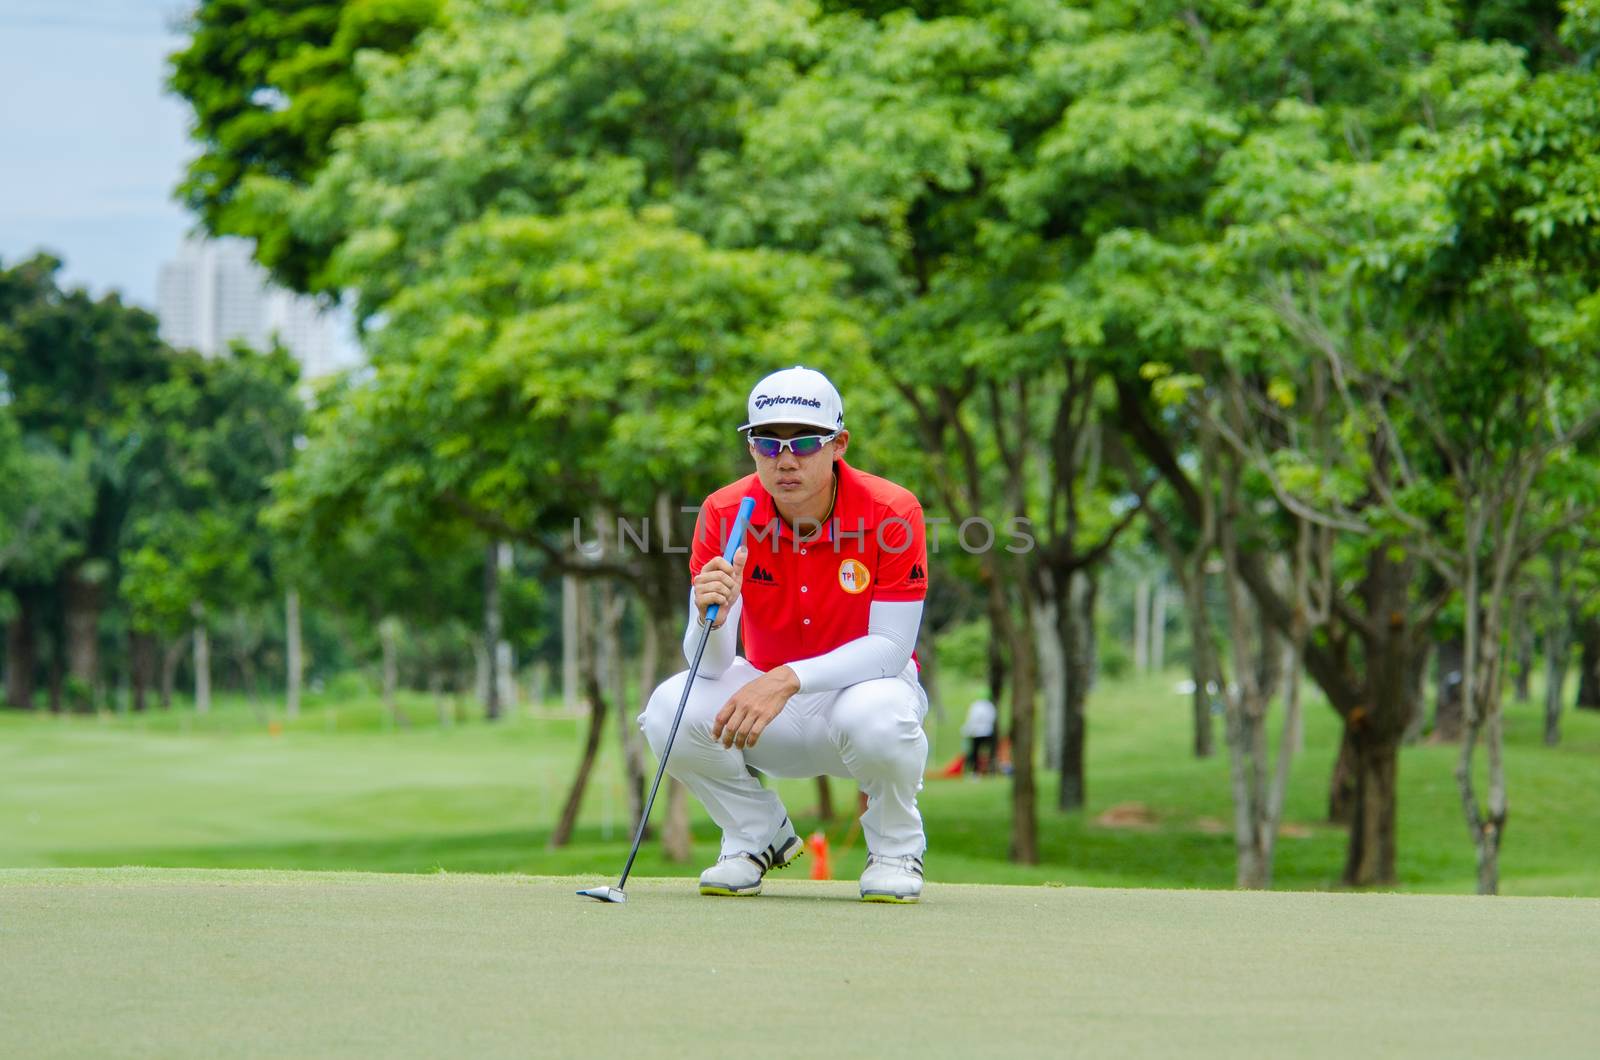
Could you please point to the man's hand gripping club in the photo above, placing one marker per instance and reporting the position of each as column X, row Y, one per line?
column 750, row 710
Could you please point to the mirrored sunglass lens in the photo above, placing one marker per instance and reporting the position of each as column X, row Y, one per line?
column 767, row 446
column 807, row 445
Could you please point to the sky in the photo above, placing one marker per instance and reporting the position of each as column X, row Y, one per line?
column 91, row 144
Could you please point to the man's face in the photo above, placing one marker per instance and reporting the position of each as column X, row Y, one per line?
column 798, row 481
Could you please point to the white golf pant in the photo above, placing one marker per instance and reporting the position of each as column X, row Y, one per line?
column 869, row 732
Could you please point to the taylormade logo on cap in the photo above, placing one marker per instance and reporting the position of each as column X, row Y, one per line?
column 762, row 401
column 796, row 395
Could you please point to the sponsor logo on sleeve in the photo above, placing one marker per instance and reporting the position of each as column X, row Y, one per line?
column 917, row 574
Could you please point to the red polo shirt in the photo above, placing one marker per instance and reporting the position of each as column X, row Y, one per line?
column 801, row 600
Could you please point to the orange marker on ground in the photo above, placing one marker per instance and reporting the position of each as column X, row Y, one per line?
column 818, row 844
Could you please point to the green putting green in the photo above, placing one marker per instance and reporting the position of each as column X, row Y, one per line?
column 170, row 963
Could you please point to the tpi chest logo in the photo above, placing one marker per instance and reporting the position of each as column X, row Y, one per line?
column 854, row 577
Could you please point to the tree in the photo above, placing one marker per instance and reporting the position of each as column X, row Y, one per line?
column 983, row 185
column 372, row 553
column 77, row 371
column 514, row 110
column 270, row 85
column 1431, row 287
column 196, row 551
column 45, row 498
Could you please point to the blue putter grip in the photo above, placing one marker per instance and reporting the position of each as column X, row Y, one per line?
column 735, row 539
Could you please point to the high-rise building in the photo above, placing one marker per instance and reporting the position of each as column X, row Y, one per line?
column 213, row 294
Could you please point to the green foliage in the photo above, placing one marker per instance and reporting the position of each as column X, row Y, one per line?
column 511, row 109
column 219, row 428
column 1350, row 246
column 270, row 84
column 182, row 563
column 75, row 375
column 557, row 369
column 45, row 499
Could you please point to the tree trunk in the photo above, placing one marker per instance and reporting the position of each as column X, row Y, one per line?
column 675, row 844
column 1024, row 795
column 1247, row 746
column 1557, row 659
column 243, row 657
column 997, row 671
column 571, row 601
column 538, row 677
column 141, row 666
column 20, row 655
column 82, row 598
column 1052, row 663
column 1487, row 829
column 1255, row 658
column 1075, row 624
column 296, row 664
column 491, row 630
column 1370, row 857
column 1202, row 666
column 928, row 670
column 1375, row 721
column 136, row 675
column 506, row 667
column 202, row 663
column 441, row 705
column 1141, row 626
column 1589, row 664
column 589, row 672
column 1158, row 629
column 1447, row 711
column 1342, row 782
column 1522, row 637
column 663, row 631
column 170, row 658
column 389, row 644
column 505, row 652
column 591, row 748
column 824, row 799
column 609, row 644
column 1417, row 719
column 55, row 677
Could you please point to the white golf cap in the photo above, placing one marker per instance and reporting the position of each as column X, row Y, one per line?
column 796, row 395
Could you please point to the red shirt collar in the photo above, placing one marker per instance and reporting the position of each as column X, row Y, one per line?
column 849, row 509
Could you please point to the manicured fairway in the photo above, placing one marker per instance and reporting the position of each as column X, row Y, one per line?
column 141, row 962
column 333, row 790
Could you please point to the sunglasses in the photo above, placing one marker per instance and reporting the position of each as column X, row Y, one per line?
column 804, row 445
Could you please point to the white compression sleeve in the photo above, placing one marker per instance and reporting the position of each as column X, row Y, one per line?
column 720, row 648
column 891, row 637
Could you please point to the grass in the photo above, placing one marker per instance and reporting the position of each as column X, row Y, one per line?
column 341, row 788
column 176, row 963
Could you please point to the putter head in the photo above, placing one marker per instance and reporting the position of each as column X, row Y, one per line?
column 605, row 894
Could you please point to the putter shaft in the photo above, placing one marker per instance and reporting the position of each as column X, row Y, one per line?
column 735, row 539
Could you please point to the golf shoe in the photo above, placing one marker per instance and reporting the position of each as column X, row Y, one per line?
column 892, row 879
column 739, row 874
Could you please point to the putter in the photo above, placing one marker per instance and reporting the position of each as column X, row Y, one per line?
column 616, row 894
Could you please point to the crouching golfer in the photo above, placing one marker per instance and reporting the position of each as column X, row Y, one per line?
column 828, row 591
